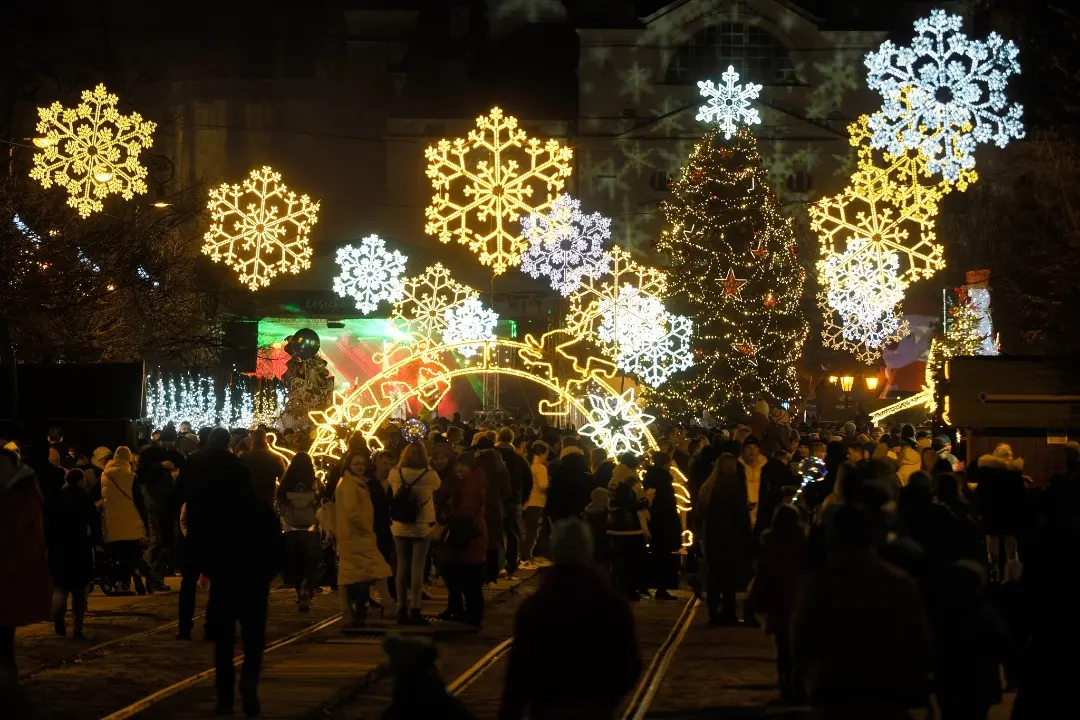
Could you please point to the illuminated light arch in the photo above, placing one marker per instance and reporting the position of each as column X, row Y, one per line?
column 367, row 407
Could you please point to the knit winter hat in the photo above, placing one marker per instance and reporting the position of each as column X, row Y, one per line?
column 599, row 501
column 122, row 454
column 751, row 440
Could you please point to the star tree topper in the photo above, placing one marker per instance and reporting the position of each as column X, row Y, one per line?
column 260, row 228
column 617, row 425
column 91, row 151
column 728, row 103
column 479, row 202
column 370, row 273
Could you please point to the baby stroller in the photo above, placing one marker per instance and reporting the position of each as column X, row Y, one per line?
column 108, row 575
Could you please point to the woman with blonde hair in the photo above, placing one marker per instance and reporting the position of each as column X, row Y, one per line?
column 412, row 512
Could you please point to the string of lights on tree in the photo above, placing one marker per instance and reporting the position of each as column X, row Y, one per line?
column 197, row 399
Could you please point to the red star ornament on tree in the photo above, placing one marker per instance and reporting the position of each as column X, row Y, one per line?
column 746, row 348
column 732, row 285
column 760, row 252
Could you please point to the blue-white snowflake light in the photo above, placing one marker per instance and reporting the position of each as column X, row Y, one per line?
column 566, row 245
column 944, row 94
column 630, row 320
column 863, row 287
column 658, row 359
column 469, row 321
column 370, row 273
column 729, row 103
column 617, row 424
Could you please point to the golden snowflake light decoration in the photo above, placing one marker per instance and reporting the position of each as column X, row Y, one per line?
column 480, row 202
column 422, row 310
column 91, row 151
column 596, row 294
column 260, row 228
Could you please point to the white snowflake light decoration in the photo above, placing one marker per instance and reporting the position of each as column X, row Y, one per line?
column 658, row 359
column 630, row 320
column 566, row 244
column 617, row 425
column 260, row 228
column 91, row 151
column 370, row 273
column 421, row 312
column 468, row 321
column 955, row 94
column 728, row 103
column 863, row 287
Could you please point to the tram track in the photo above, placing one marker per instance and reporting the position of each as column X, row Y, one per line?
column 650, row 682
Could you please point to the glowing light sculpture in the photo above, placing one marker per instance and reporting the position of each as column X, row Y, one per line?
column 729, row 103
column 91, row 151
column 478, row 202
column 565, row 244
column 617, row 424
column 370, row 273
column 862, row 285
column 421, row 311
column 657, row 359
column 630, row 320
column 260, row 228
column 955, row 94
column 469, row 321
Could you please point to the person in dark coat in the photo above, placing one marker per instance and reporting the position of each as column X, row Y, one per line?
column 1002, row 502
column 70, row 543
column 775, row 476
column 665, row 528
column 554, row 674
column 570, row 485
column 729, row 535
column 265, row 467
column 155, row 476
column 465, row 544
column 520, row 485
column 782, row 561
column 236, row 540
column 497, row 479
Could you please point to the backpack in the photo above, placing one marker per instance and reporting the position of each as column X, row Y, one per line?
column 403, row 505
column 299, row 510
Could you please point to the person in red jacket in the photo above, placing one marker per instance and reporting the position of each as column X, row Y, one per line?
column 466, row 542
column 25, row 585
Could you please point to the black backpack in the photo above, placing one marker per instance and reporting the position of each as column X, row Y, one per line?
column 403, row 505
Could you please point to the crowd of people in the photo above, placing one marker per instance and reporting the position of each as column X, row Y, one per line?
column 887, row 571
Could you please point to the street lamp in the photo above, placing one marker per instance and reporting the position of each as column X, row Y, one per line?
column 847, row 382
column 833, row 379
column 871, row 382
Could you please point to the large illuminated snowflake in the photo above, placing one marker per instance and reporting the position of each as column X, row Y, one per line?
column 630, row 320
column 887, row 220
column 956, row 94
column 617, row 425
column 728, row 103
column 862, row 286
column 833, row 333
column 468, row 321
column 260, row 228
column 657, row 359
column 370, row 273
column 421, row 312
column 587, row 303
column 479, row 202
column 91, row 151
column 566, row 244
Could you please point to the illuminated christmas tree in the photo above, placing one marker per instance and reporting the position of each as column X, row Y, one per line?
column 733, row 270
column 963, row 336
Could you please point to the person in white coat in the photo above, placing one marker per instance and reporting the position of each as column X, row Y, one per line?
column 359, row 561
column 412, row 511
column 124, row 518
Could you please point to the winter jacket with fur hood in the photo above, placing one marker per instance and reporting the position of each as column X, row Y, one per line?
column 120, row 502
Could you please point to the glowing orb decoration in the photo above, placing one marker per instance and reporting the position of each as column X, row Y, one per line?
column 617, row 424
column 729, row 103
column 370, row 273
column 862, row 286
column 467, row 322
column 414, row 430
column 260, row 228
column 91, row 151
column 421, row 312
column 479, row 201
column 566, row 244
column 658, row 358
column 956, row 94
column 593, row 295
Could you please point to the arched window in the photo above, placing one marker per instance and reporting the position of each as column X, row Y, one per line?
column 755, row 54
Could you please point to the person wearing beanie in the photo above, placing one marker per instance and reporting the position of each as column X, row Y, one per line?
column 759, row 419
column 575, row 652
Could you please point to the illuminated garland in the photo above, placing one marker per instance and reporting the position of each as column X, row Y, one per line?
column 731, row 258
column 478, row 202
column 195, row 399
column 91, row 151
column 260, row 228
